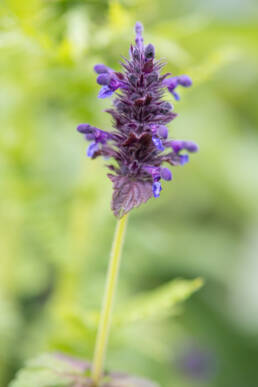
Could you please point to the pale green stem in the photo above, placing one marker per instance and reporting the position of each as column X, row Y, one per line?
column 105, row 318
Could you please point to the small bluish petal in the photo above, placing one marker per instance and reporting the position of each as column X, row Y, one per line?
column 176, row 95
column 184, row 81
column 177, row 145
column 156, row 188
column 105, row 92
column 153, row 171
column 103, row 79
column 171, row 83
column 101, row 136
column 94, row 147
column 166, row 174
column 90, row 136
column 114, row 84
column 83, row 128
column 183, row 159
column 191, row 146
column 158, row 144
column 101, row 68
column 163, row 131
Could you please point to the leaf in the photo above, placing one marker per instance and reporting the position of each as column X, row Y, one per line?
column 59, row 370
column 155, row 304
column 53, row 370
column 128, row 194
column 158, row 303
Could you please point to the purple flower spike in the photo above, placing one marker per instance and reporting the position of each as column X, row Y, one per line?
column 156, row 188
column 139, row 143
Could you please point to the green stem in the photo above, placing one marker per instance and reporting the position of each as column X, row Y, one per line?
column 105, row 318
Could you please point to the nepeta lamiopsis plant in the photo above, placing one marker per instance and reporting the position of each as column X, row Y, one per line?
column 137, row 147
column 139, row 143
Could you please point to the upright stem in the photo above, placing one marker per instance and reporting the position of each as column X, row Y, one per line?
column 105, row 318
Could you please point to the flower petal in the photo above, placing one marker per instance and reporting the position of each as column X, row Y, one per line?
column 105, row 92
column 156, row 189
column 158, row 143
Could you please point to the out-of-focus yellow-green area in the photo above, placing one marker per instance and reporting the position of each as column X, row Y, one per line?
column 56, row 225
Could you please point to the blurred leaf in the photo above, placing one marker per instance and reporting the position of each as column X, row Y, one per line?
column 158, row 303
column 51, row 370
column 155, row 304
column 58, row 370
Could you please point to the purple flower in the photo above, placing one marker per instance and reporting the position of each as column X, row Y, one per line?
column 156, row 188
column 103, row 79
column 105, row 92
column 101, row 68
column 178, row 145
column 158, row 143
column 163, row 131
column 184, row 159
column 139, row 142
column 190, row 146
column 174, row 82
column 94, row 147
column 109, row 79
column 166, row 174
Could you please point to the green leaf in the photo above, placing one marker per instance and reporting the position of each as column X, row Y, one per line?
column 59, row 370
column 52, row 370
column 158, row 303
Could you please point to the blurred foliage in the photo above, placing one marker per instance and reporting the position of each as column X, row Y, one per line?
column 57, row 370
column 56, row 225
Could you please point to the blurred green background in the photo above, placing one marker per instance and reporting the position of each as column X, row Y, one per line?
column 56, row 225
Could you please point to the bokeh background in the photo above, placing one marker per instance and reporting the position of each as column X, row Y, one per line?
column 56, row 226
